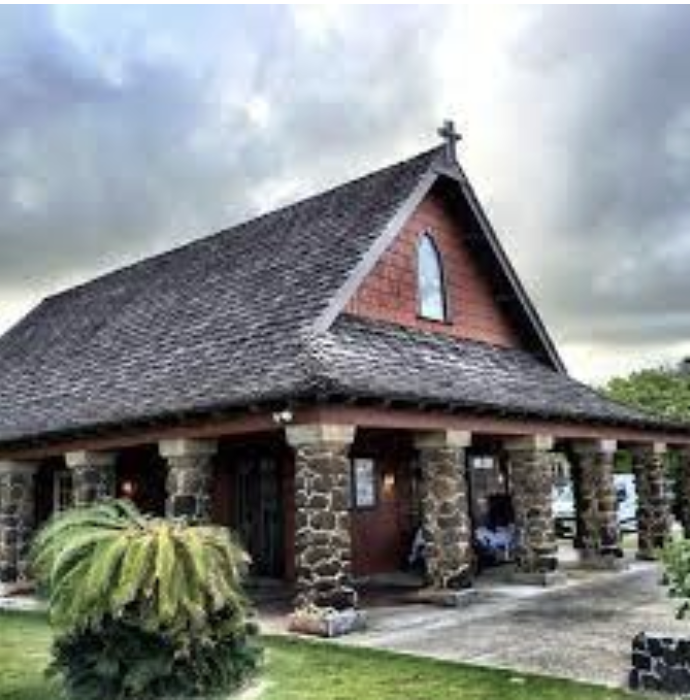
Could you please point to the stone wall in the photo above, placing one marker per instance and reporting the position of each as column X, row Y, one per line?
column 445, row 514
column 660, row 663
column 531, row 470
column 16, row 522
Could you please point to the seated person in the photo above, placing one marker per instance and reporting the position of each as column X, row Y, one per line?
column 416, row 559
column 496, row 538
column 497, row 543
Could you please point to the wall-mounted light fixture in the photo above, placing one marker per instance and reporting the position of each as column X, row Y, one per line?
column 389, row 482
column 283, row 417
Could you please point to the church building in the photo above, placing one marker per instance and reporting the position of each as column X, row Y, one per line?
column 332, row 380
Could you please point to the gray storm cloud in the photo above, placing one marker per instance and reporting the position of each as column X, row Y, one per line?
column 126, row 131
column 98, row 167
column 611, row 140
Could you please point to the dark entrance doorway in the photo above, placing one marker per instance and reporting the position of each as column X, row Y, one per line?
column 140, row 476
column 249, row 499
column 491, row 509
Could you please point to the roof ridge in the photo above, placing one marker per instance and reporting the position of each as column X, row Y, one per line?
column 437, row 150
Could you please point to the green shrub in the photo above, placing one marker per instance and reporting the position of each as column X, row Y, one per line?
column 144, row 607
column 676, row 559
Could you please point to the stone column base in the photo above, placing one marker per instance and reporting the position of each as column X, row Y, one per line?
column 602, row 562
column 7, row 590
column 447, row 598
column 326, row 622
column 545, row 579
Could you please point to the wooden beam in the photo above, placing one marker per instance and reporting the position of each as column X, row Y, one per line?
column 248, row 424
column 414, row 419
column 364, row 416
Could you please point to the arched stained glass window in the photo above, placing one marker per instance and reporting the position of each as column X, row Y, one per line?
column 430, row 282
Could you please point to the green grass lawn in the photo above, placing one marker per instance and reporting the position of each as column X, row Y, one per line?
column 24, row 653
column 298, row 670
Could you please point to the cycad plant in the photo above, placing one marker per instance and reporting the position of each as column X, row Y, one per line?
column 144, row 607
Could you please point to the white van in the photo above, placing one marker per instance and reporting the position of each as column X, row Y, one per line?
column 626, row 495
column 627, row 502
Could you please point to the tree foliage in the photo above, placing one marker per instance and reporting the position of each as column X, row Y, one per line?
column 144, row 606
column 663, row 391
column 676, row 560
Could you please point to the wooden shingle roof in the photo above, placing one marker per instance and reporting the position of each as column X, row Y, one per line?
column 375, row 360
column 252, row 314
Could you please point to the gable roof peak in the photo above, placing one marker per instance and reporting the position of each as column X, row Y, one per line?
column 443, row 165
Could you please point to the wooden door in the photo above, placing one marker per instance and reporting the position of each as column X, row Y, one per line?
column 258, row 513
column 382, row 533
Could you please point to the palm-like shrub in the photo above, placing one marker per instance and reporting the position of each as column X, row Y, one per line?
column 144, row 607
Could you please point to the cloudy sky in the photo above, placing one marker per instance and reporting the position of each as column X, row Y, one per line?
column 126, row 130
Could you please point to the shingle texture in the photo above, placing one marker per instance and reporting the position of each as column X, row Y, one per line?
column 229, row 320
column 220, row 321
column 372, row 359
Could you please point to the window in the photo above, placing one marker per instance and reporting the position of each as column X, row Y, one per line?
column 363, row 483
column 62, row 490
column 432, row 294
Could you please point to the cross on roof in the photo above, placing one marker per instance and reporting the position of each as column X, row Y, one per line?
column 448, row 133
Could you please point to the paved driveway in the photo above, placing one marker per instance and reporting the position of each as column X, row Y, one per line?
column 581, row 630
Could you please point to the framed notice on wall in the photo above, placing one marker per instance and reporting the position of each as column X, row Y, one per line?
column 364, row 483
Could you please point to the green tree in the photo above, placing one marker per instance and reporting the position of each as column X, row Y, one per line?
column 663, row 391
column 144, row 607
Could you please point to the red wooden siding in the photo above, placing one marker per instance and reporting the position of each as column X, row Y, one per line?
column 389, row 292
column 382, row 535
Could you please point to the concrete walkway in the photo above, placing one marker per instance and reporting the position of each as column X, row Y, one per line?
column 580, row 630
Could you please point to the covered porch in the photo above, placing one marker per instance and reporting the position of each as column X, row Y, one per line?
column 329, row 498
